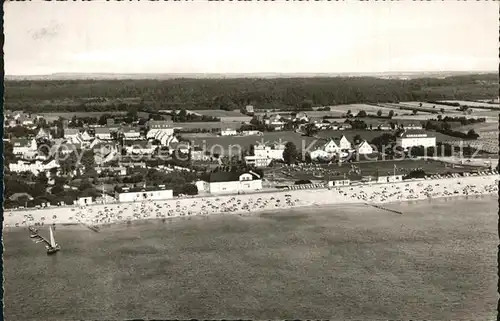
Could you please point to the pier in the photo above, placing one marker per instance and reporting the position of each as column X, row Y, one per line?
column 384, row 208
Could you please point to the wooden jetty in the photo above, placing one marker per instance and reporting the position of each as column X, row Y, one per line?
column 384, row 208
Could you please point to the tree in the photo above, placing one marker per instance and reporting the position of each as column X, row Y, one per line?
column 361, row 113
column 251, row 150
column 88, row 160
column 391, row 113
column 290, row 154
column 472, row 134
column 41, row 178
column 357, row 139
column 379, row 113
column 414, row 111
column 349, row 114
column 442, row 110
column 310, row 130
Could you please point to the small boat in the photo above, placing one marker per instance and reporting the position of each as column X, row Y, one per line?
column 34, row 232
column 52, row 247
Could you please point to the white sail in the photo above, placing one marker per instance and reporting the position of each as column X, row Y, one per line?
column 52, row 240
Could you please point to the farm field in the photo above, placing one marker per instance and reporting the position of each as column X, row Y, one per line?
column 69, row 115
column 480, row 127
column 448, row 109
column 219, row 113
column 355, row 108
column 471, row 103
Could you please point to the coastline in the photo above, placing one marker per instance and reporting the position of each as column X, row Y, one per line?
column 258, row 203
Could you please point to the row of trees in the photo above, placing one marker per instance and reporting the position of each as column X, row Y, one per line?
column 289, row 93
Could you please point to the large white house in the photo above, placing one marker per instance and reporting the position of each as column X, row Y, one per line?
column 331, row 147
column 411, row 138
column 344, row 143
column 162, row 131
column 270, row 152
column 230, row 182
column 364, row 148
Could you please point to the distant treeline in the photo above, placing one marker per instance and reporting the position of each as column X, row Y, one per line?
column 280, row 93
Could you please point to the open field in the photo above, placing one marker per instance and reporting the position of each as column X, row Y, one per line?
column 70, row 115
column 219, row 113
column 480, row 127
column 355, row 108
column 436, row 262
column 472, row 103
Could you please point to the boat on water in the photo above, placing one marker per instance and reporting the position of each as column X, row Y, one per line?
column 34, row 232
column 51, row 246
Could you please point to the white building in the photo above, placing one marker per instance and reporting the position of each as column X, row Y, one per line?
column 276, row 121
column 230, row 182
column 82, row 201
column 390, row 179
column 344, row 143
column 257, row 161
column 71, row 133
column 340, row 182
column 228, row 132
column 131, row 133
column 320, row 154
column 270, row 152
column 143, row 194
column 34, row 167
column 331, row 147
column 24, row 147
column 158, row 129
column 364, row 148
column 103, row 133
column 411, row 138
column 139, row 147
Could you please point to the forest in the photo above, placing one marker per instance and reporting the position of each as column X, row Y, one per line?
column 279, row 93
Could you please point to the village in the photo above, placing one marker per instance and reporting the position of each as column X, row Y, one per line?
column 57, row 160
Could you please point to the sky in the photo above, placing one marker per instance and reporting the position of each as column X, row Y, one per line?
column 249, row 37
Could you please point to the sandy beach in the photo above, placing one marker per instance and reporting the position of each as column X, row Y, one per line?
column 248, row 204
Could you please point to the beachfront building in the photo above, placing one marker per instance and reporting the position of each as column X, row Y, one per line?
column 390, row 179
column 411, row 138
column 82, row 201
column 24, row 147
column 339, row 182
column 228, row 132
column 270, row 152
column 230, row 182
column 35, row 167
column 257, row 161
column 364, row 148
column 126, row 194
column 103, row 133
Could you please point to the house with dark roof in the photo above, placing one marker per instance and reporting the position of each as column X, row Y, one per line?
column 228, row 182
column 130, row 132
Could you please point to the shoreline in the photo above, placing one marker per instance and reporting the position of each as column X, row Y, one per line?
column 255, row 203
column 155, row 220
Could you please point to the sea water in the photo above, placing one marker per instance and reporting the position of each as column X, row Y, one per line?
column 436, row 261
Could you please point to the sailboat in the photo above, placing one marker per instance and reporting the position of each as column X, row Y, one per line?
column 52, row 247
